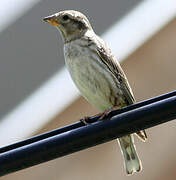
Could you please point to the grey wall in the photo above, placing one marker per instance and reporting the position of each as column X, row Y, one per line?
column 31, row 50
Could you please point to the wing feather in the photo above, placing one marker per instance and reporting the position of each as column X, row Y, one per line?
column 113, row 65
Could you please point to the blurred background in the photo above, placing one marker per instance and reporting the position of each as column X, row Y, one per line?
column 37, row 94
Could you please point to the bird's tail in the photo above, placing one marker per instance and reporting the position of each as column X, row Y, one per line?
column 131, row 159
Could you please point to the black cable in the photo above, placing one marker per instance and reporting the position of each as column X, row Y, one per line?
column 70, row 139
column 80, row 124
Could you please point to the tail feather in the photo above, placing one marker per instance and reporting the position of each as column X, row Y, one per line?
column 131, row 159
column 142, row 135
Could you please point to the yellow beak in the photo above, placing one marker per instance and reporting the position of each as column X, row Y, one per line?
column 52, row 20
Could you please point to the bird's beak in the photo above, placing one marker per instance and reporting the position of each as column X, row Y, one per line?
column 53, row 20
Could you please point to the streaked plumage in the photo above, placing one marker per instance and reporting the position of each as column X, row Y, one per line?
column 96, row 73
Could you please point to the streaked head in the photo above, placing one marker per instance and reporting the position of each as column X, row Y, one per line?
column 72, row 24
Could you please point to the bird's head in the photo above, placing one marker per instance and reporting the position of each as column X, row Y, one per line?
column 72, row 24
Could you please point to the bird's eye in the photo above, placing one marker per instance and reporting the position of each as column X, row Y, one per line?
column 65, row 17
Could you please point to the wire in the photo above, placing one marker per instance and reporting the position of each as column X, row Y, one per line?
column 80, row 124
column 76, row 137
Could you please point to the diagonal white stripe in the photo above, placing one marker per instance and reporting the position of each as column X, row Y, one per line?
column 11, row 10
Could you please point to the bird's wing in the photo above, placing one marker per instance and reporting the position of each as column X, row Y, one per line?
column 113, row 65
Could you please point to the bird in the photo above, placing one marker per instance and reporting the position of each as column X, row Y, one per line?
column 97, row 74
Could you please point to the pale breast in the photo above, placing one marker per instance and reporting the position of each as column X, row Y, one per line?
column 92, row 77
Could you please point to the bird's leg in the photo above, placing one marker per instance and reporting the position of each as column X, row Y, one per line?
column 84, row 120
column 107, row 112
column 87, row 118
column 102, row 115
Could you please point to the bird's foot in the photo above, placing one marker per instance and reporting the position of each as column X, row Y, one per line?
column 106, row 113
column 85, row 120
